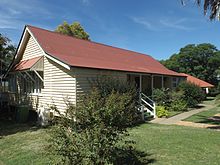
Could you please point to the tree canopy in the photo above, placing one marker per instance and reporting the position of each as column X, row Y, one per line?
column 7, row 51
column 210, row 7
column 202, row 61
column 74, row 30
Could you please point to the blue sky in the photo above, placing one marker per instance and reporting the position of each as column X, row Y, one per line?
column 155, row 27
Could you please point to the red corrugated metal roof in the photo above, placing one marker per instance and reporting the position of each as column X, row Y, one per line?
column 26, row 64
column 197, row 81
column 81, row 53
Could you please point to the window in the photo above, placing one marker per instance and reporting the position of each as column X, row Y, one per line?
column 175, row 82
column 12, row 83
column 31, row 83
column 4, row 86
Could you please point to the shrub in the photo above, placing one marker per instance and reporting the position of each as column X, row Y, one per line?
column 90, row 133
column 217, row 99
column 213, row 92
column 161, row 96
column 161, row 111
column 193, row 94
column 177, row 101
column 171, row 100
column 178, row 105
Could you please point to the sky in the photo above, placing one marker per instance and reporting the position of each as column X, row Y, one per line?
column 155, row 27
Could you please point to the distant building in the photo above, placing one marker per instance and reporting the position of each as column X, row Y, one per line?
column 203, row 84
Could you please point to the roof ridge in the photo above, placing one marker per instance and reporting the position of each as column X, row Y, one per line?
column 89, row 41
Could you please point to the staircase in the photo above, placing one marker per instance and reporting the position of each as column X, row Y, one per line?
column 147, row 106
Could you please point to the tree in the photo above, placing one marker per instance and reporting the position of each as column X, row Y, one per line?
column 209, row 6
column 74, row 30
column 7, row 51
column 202, row 61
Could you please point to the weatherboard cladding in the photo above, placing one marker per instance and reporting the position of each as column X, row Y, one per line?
column 81, row 53
column 59, row 83
column 32, row 50
column 59, row 86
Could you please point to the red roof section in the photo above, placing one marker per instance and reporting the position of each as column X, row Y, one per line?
column 81, row 53
column 26, row 64
column 194, row 80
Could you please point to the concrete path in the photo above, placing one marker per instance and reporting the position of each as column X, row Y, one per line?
column 176, row 119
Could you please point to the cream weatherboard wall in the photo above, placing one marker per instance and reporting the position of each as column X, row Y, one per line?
column 59, row 83
column 59, row 86
column 85, row 77
column 32, row 49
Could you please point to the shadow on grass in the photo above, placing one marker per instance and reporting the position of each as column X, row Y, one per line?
column 214, row 128
column 209, row 98
column 215, row 120
column 131, row 156
column 8, row 127
column 198, row 106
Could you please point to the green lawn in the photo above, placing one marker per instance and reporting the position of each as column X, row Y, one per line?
column 173, row 113
column 205, row 117
column 165, row 145
column 210, row 101
column 22, row 144
column 178, row 145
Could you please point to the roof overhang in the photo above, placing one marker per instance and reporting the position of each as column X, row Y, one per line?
column 34, row 64
column 19, row 53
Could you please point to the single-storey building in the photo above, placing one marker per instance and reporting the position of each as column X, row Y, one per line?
column 201, row 83
column 49, row 67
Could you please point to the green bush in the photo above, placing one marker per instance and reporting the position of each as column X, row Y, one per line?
column 161, row 96
column 213, row 92
column 178, row 105
column 193, row 94
column 217, row 99
column 90, row 132
column 177, row 101
column 161, row 111
column 170, row 100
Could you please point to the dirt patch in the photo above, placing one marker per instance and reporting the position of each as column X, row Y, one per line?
column 198, row 125
column 215, row 118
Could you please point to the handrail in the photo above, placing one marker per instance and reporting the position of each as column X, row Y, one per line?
column 148, row 103
column 146, row 97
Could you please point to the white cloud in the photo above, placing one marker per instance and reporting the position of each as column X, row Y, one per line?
column 23, row 6
column 144, row 22
column 176, row 24
column 163, row 24
column 14, row 14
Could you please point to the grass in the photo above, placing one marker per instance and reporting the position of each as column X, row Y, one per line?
column 171, row 145
column 165, row 145
column 210, row 101
column 173, row 113
column 22, row 144
column 205, row 117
